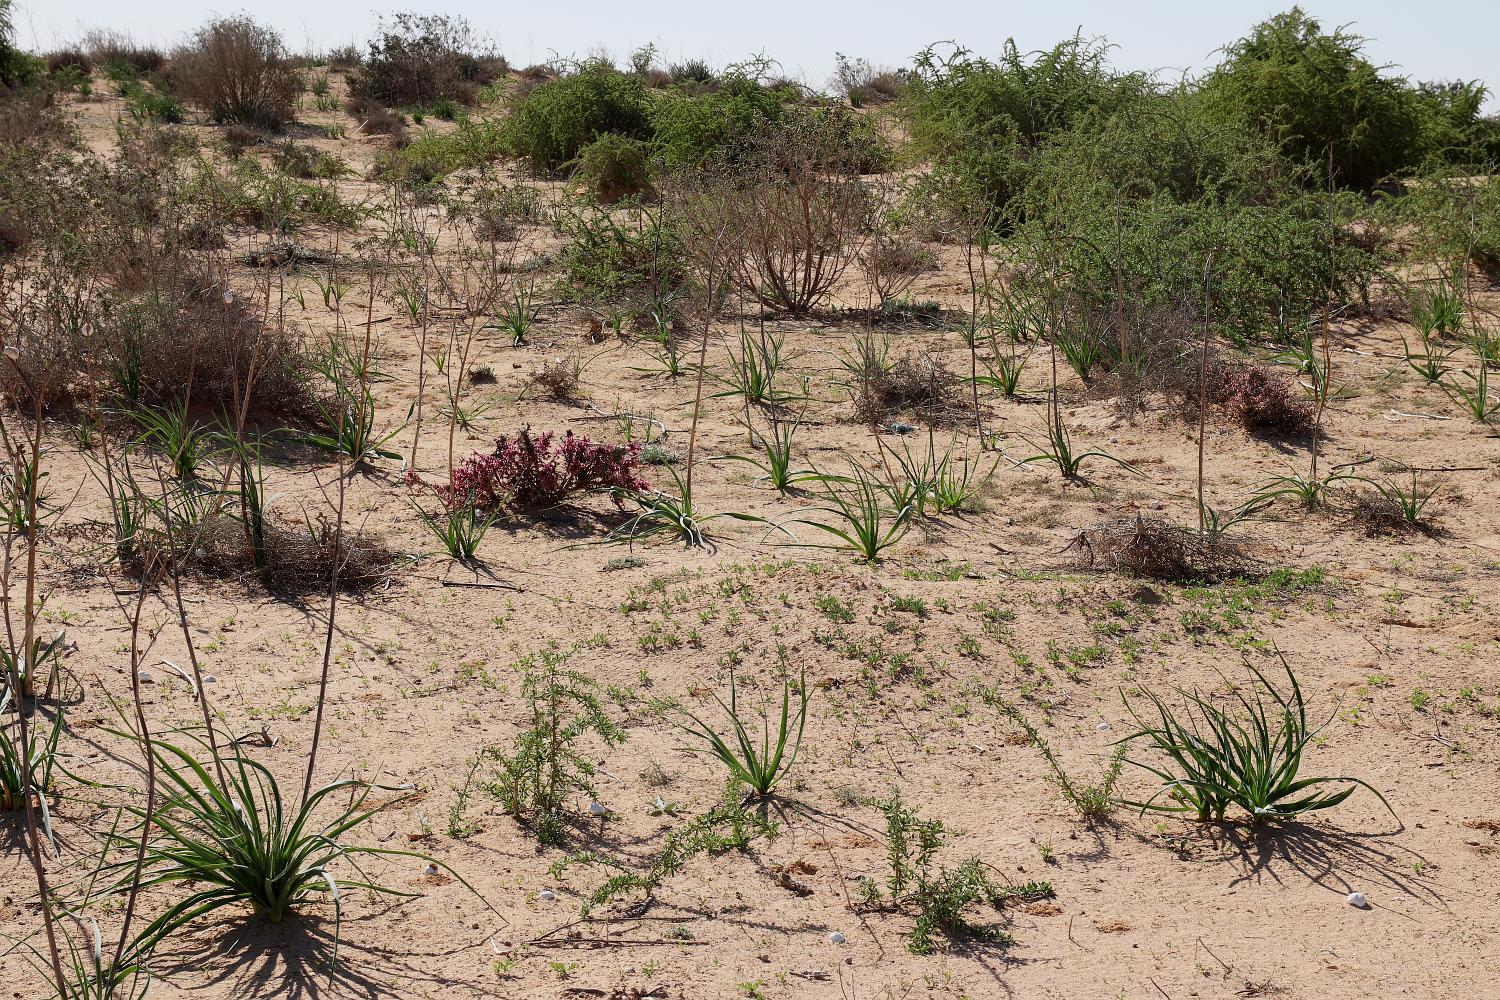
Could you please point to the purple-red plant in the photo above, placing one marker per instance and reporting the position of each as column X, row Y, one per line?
column 543, row 471
column 1258, row 400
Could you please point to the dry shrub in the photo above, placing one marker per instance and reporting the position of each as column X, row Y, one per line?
column 1156, row 549
column 159, row 345
column 299, row 556
column 891, row 263
column 69, row 59
column 238, row 71
column 1263, row 402
column 785, row 216
column 1377, row 514
column 418, row 59
column 917, row 383
column 376, row 119
column 238, row 138
column 864, row 84
column 27, row 118
column 558, row 378
column 14, row 232
column 47, row 365
column 114, row 48
column 345, row 57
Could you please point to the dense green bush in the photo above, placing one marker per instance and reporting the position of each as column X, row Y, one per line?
column 552, row 123
column 614, row 167
column 1127, row 210
column 16, row 67
column 1316, row 94
column 979, row 122
column 690, row 129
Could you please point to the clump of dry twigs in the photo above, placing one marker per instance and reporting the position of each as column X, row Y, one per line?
column 1156, row 549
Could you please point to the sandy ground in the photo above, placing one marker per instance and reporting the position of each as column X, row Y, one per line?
column 1397, row 643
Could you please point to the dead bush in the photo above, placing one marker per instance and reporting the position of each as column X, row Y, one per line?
column 114, row 50
column 376, row 119
column 783, row 217
column 1155, row 549
column 917, row 384
column 298, row 556
column 891, row 263
column 161, row 345
column 238, row 71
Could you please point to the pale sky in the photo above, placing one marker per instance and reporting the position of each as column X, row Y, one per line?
column 1425, row 39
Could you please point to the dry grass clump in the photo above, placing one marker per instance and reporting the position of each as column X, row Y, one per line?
column 238, row 71
column 1155, row 549
column 158, row 346
column 376, row 119
column 298, row 557
column 917, row 384
column 116, row 49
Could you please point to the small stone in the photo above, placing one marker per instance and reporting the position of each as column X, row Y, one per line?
column 836, row 938
column 209, row 679
column 597, row 809
column 431, row 869
column 1358, row 901
column 146, row 677
column 1103, row 727
column 547, row 896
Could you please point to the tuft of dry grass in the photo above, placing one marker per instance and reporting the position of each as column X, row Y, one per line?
column 1155, row 549
column 299, row 557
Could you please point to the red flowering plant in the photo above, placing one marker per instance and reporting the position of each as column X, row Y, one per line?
column 526, row 472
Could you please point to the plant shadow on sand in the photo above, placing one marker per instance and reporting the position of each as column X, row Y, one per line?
column 1331, row 859
column 302, row 959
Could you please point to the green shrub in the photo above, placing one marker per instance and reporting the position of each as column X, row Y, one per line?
column 607, row 256
column 16, row 67
column 688, row 130
column 1315, row 93
column 1122, row 213
column 552, row 123
column 430, row 156
column 545, row 766
column 614, row 167
column 980, row 121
